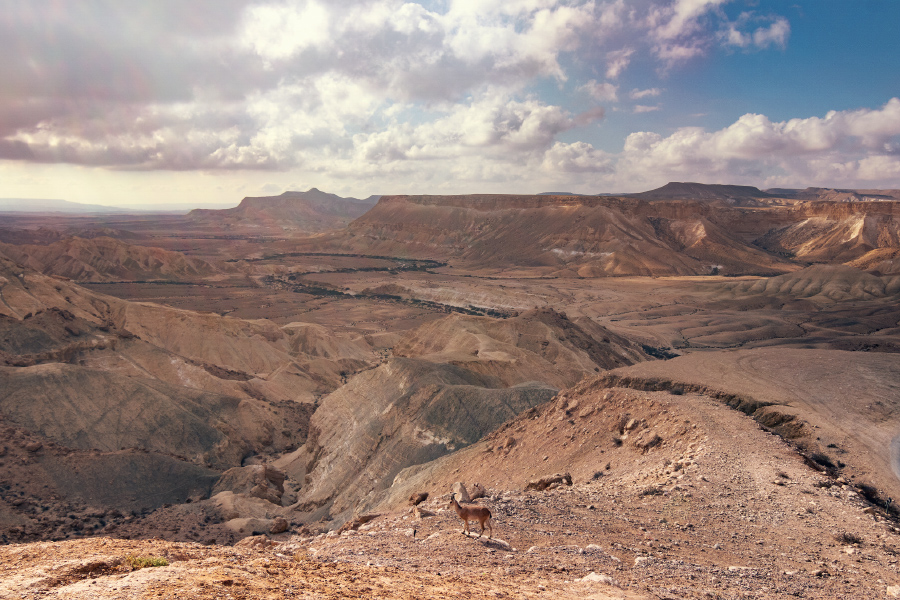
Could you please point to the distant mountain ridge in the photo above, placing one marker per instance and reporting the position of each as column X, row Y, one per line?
column 42, row 205
column 729, row 194
column 310, row 211
column 836, row 195
column 678, row 229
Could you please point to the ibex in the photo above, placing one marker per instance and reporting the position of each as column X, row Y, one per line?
column 472, row 513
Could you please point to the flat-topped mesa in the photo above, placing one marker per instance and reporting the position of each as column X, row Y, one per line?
column 676, row 190
column 635, row 207
column 843, row 210
column 287, row 204
column 511, row 201
column 837, row 195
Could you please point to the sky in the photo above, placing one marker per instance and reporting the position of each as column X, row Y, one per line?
column 207, row 101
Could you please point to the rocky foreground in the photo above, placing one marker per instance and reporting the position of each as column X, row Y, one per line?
column 689, row 499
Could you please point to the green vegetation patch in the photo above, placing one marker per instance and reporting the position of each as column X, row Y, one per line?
column 139, row 562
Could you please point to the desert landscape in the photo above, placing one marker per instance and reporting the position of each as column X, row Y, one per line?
column 689, row 392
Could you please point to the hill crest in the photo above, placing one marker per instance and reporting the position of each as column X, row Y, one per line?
column 310, row 211
column 705, row 192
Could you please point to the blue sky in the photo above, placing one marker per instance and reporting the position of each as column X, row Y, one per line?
column 209, row 101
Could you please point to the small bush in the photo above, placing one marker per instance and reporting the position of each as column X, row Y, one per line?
column 139, row 562
column 870, row 493
column 845, row 537
column 822, row 459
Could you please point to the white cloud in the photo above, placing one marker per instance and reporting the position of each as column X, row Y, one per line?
column 371, row 90
column 679, row 19
column 775, row 34
column 617, row 61
column 637, row 94
column 579, row 157
column 602, row 92
column 276, row 32
column 685, row 29
column 844, row 147
column 410, row 51
column 879, row 168
column 492, row 127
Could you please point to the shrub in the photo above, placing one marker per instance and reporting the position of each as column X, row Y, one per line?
column 870, row 493
column 822, row 459
column 139, row 562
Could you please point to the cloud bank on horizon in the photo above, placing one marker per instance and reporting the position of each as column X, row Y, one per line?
column 204, row 98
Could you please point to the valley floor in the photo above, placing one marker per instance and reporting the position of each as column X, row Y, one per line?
column 162, row 388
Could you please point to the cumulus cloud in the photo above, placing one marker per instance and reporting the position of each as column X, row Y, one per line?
column 844, row 146
column 740, row 34
column 374, row 89
column 493, row 127
column 679, row 19
column 578, row 157
column 685, row 29
column 241, row 85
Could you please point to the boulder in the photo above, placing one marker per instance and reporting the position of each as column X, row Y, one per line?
column 256, row 481
column 279, row 525
column 418, row 498
column 544, row 482
column 460, row 492
column 355, row 523
column 478, row 491
column 233, row 506
column 249, row 526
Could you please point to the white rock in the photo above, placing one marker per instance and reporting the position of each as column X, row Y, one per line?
column 598, row 578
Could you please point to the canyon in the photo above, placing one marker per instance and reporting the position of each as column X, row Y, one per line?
column 714, row 367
